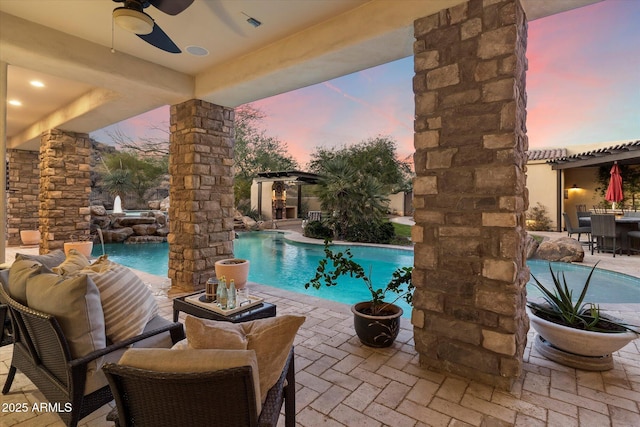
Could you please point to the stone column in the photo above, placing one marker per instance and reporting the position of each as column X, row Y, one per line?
column 469, row 192
column 201, row 192
column 22, row 197
column 65, row 186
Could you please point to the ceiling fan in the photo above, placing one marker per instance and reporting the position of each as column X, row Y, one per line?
column 132, row 18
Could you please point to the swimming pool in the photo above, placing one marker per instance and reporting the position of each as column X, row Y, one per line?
column 281, row 263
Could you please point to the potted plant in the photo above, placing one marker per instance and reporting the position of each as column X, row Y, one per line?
column 233, row 268
column 377, row 321
column 576, row 333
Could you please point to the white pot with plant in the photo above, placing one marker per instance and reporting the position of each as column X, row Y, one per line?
column 576, row 333
column 376, row 321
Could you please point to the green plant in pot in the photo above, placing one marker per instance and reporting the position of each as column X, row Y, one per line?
column 574, row 332
column 377, row 321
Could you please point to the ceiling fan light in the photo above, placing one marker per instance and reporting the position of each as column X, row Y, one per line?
column 132, row 20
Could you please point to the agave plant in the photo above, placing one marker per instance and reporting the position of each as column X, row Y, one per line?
column 342, row 263
column 561, row 308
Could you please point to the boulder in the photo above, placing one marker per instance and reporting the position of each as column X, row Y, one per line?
column 145, row 229
column 154, row 204
column 564, row 249
column 98, row 210
column 164, row 204
column 249, row 223
column 117, row 236
column 530, row 246
column 145, row 239
column 130, row 221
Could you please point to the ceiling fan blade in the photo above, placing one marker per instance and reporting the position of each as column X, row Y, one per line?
column 171, row 7
column 160, row 39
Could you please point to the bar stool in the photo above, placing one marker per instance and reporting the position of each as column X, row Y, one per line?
column 632, row 235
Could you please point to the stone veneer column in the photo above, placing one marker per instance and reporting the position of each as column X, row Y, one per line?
column 201, row 191
column 65, row 185
column 22, row 197
column 469, row 192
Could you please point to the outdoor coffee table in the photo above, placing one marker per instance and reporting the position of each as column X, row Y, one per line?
column 260, row 311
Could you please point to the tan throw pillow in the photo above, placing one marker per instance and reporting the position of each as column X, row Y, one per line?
column 167, row 360
column 271, row 339
column 73, row 262
column 19, row 273
column 50, row 260
column 127, row 303
column 75, row 303
column 211, row 334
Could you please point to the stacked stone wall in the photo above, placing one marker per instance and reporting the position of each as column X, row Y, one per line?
column 201, row 191
column 469, row 192
column 65, row 186
column 22, row 197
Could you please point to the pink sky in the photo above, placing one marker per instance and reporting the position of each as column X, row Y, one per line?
column 583, row 86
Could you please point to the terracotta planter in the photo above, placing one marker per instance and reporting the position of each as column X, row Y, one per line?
column 233, row 268
column 30, row 237
column 84, row 248
column 376, row 331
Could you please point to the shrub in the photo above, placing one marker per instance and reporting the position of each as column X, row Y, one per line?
column 538, row 219
column 382, row 232
column 317, row 230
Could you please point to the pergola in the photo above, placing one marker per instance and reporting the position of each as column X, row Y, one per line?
column 292, row 177
column 624, row 154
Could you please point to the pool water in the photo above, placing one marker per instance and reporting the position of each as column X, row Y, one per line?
column 281, row 263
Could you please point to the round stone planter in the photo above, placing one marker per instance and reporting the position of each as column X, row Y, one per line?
column 30, row 237
column 233, row 268
column 84, row 248
column 592, row 349
column 376, row 331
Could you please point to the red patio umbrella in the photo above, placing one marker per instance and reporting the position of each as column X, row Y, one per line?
column 614, row 191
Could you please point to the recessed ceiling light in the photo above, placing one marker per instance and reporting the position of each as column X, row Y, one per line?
column 197, row 50
column 15, row 102
column 36, row 83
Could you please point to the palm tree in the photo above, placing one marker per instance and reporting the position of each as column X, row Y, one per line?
column 354, row 200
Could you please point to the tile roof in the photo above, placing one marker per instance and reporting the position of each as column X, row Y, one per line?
column 629, row 152
column 546, row 153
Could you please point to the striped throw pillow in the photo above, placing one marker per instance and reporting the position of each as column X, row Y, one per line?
column 127, row 303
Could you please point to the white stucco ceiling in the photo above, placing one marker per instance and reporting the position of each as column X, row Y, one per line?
column 67, row 44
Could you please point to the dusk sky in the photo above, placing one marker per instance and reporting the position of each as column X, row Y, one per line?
column 583, row 86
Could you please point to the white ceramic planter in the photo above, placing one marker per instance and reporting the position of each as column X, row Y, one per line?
column 30, row 237
column 576, row 341
column 233, row 268
column 84, row 248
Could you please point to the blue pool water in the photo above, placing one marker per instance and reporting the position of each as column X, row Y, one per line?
column 278, row 262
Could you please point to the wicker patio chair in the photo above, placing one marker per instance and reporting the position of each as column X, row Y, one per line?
column 603, row 232
column 6, row 333
column 194, row 399
column 41, row 352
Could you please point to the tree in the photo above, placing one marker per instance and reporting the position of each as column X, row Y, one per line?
column 355, row 184
column 255, row 152
column 375, row 157
column 125, row 172
column 145, row 146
